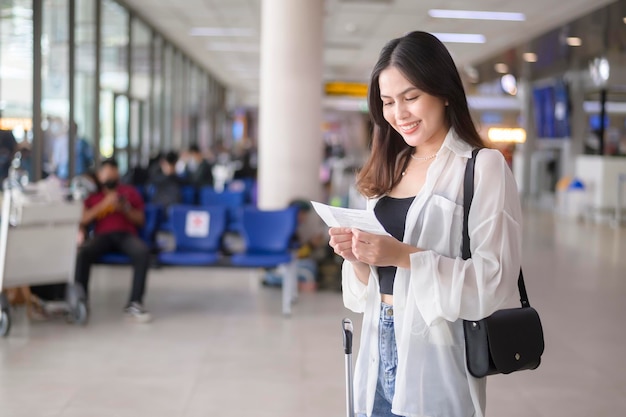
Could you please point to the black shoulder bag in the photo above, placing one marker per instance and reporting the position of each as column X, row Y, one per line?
column 510, row 339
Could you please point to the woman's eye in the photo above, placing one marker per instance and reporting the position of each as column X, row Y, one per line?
column 411, row 98
column 387, row 104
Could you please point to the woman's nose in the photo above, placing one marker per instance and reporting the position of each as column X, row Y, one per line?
column 401, row 111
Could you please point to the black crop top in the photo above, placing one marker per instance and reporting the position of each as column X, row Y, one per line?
column 391, row 213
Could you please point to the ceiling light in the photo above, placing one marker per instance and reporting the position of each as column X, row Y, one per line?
column 470, row 14
column 574, row 41
column 625, row 20
column 460, row 37
column 501, row 67
column 204, row 31
column 530, row 57
column 509, row 84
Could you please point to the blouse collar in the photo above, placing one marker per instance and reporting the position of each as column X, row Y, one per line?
column 455, row 144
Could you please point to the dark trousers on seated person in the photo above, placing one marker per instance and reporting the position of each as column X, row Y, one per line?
column 122, row 242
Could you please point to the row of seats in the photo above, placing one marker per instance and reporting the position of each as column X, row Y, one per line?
column 243, row 189
column 198, row 231
column 238, row 195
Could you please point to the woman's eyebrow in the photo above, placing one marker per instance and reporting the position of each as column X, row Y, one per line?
column 402, row 93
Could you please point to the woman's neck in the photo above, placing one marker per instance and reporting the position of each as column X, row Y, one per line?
column 432, row 145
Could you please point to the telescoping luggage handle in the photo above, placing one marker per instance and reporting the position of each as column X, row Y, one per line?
column 347, row 328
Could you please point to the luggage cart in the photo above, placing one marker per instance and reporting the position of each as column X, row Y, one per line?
column 38, row 246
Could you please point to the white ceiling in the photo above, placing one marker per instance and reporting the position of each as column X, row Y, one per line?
column 355, row 31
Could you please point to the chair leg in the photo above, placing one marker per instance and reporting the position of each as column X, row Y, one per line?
column 287, row 291
column 293, row 274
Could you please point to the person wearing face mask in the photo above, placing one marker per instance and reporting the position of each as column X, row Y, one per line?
column 198, row 170
column 115, row 211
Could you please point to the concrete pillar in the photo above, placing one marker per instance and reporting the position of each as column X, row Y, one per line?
column 290, row 103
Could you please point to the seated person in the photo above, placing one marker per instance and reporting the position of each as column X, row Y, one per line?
column 116, row 210
column 199, row 171
column 167, row 184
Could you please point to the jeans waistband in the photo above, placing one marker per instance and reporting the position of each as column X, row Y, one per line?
column 386, row 312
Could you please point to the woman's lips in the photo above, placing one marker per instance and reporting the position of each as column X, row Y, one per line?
column 409, row 128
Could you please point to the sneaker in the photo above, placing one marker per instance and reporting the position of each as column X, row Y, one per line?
column 137, row 312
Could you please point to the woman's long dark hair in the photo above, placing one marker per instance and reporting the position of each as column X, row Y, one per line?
column 427, row 64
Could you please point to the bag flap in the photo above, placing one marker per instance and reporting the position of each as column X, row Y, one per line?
column 515, row 338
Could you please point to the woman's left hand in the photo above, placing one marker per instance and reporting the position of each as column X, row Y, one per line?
column 381, row 250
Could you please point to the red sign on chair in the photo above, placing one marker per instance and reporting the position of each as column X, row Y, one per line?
column 197, row 224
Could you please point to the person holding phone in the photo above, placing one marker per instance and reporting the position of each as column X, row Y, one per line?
column 115, row 211
column 412, row 285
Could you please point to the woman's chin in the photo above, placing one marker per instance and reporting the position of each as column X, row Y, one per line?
column 412, row 140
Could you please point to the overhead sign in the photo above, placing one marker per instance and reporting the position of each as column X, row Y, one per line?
column 338, row 88
column 508, row 135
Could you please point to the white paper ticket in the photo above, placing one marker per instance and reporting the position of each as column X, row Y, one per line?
column 344, row 217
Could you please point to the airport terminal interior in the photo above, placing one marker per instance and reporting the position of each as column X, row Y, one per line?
column 224, row 119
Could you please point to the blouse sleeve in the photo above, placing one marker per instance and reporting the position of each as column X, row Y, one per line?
column 472, row 289
column 354, row 291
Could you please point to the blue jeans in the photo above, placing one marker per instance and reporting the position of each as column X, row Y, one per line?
column 385, row 388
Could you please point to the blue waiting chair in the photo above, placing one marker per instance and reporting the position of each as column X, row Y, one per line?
column 234, row 202
column 188, row 195
column 268, row 236
column 247, row 185
column 147, row 233
column 188, row 198
column 198, row 232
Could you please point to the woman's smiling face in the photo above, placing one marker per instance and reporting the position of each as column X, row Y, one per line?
column 419, row 117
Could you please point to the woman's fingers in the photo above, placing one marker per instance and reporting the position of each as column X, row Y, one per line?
column 333, row 231
column 341, row 242
column 364, row 237
column 339, row 235
column 373, row 249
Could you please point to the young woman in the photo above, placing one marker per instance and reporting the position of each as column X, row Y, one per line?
column 413, row 287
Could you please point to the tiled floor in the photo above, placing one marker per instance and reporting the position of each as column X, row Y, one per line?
column 219, row 346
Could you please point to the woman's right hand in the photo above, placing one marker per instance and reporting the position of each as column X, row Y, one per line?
column 341, row 242
column 341, row 239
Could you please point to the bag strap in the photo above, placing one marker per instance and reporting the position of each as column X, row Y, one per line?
column 468, row 196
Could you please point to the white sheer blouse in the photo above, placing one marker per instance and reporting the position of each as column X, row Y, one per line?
column 440, row 289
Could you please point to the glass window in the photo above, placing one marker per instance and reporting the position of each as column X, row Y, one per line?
column 177, row 101
column 55, row 103
column 212, row 101
column 140, row 90
column 157, row 95
column 140, row 60
column 194, row 107
column 204, row 140
column 114, row 53
column 113, row 83
column 85, row 86
column 121, row 110
column 16, row 83
column 166, row 142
